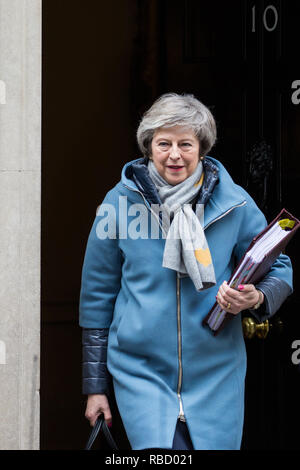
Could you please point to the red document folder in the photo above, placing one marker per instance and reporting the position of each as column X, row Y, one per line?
column 256, row 262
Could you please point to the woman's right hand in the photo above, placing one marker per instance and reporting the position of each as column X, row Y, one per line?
column 97, row 404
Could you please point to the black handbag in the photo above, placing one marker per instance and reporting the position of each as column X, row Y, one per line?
column 101, row 424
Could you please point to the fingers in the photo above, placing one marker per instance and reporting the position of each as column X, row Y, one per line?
column 228, row 294
column 228, row 304
column 246, row 288
column 92, row 414
column 96, row 405
column 107, row 415
column 233, row 300
column 92, row 417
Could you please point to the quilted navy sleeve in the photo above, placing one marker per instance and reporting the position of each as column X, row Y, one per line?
column 275, row 291
column 95, row 376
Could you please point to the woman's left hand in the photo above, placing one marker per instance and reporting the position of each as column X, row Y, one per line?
column 234, row 301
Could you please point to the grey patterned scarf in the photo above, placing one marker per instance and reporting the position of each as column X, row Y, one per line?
column 186, row 249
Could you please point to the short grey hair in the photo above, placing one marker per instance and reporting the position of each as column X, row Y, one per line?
column 184, row 110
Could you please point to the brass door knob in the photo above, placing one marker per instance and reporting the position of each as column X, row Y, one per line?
column 251, row 328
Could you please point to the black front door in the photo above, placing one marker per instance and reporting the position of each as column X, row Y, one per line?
column 240, row 59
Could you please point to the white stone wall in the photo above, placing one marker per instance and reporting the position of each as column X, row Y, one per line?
column 20, row 194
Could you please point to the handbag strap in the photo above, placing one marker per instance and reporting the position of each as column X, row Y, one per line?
column 101, row 424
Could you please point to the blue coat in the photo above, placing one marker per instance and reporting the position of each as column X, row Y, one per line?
column 164, row 363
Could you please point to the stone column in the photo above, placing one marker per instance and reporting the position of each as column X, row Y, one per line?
column 20, row 202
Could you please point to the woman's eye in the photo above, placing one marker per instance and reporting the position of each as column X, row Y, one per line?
column 163, row 144
column 186, row 144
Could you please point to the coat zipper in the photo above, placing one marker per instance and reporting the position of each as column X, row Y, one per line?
column 181, row 416
column 179, row 341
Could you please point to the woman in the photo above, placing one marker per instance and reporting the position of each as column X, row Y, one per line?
column 148, row 281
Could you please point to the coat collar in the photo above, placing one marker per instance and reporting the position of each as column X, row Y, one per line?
column 219, row 193
column 226, row 195
column 135, row 176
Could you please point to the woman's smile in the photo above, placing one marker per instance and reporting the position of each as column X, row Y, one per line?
column 174, row 167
